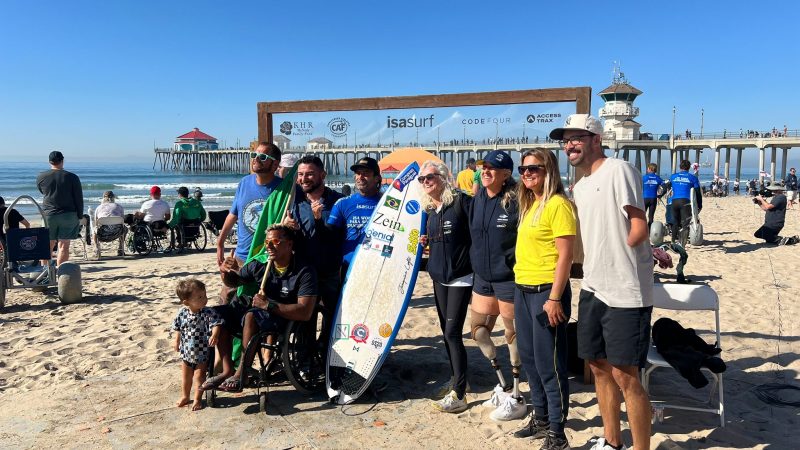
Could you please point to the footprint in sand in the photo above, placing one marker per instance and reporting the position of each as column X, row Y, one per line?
column 50, row 366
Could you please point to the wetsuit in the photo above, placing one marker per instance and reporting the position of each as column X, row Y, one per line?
column 650, row 185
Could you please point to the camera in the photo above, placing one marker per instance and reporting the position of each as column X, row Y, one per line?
column 755, row 200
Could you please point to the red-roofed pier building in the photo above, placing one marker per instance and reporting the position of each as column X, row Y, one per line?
column 195, row 141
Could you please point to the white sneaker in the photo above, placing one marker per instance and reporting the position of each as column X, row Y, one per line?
column 498, row 396
column 446, row 387
column 511, row 409
column 600, row 444
column 451, row 403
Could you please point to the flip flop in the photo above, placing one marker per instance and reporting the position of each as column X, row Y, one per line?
column 231, row 385
column 212, row 383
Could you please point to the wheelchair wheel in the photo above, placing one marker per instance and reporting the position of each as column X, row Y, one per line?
column 141, row 241
column 202, row 239
column 262, row 402
column 303, row 358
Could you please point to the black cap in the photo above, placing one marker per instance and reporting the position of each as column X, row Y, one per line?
column 56, row 157
column 499, row 160
column 367, row 163
column 183, row 191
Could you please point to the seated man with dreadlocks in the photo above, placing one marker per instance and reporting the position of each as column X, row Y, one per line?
column 289, row 293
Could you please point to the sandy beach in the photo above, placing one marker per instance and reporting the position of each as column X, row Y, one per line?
column 101, row 373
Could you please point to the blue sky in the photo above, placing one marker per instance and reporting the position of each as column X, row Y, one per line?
column 105, row 80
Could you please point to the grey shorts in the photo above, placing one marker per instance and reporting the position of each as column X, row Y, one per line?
column 63, row 226
column 619, row 335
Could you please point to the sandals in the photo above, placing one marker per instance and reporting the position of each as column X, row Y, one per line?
column 231, row 385
column 212, row 383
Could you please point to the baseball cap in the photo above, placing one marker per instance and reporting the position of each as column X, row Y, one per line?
column 155, row 190
column 367, row 163
column 288, row 160
column 499, row 160
column 184, row 191
column 584, row 122
column 56, row 156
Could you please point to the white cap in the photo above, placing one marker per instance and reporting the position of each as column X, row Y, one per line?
column 578, row 122
column 288, row 160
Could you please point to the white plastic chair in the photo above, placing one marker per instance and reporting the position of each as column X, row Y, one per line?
column 686, row 297
column 110, row 220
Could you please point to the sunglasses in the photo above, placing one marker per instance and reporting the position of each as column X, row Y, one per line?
column 533, row 168
column 428, row 177
column 261, row 156
column 273, row 242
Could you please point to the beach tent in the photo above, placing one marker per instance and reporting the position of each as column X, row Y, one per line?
column 396, row 161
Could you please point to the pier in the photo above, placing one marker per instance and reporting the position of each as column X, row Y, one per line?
column 638, row 152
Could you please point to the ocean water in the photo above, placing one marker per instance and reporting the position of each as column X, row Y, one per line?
column 131, row 182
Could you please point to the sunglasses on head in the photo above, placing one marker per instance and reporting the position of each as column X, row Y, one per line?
column 261, row 156
column 533, row 168
column 428, row 177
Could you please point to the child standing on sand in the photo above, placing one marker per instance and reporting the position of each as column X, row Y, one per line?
column 197, row 331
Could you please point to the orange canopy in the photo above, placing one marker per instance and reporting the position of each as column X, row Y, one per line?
column 400, row 158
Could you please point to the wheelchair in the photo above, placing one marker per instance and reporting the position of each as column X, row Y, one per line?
column 299, row 352
column 145, row 237
column 216, row 219
column 189, row 233
column 108, row 229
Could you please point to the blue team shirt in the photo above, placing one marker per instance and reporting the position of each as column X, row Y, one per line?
column 650, row 184
column 682, row 183
column 247, row 205
column 353, row 214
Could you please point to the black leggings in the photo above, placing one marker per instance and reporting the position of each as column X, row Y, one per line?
column 681, row 216
column 650, row 207
column 451, row 305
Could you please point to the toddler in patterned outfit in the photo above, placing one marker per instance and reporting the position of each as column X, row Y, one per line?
column 197, row 329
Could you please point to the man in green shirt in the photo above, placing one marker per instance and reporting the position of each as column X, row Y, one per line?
column 186, row 209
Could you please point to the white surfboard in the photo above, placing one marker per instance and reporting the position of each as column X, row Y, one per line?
column 377, row 289
column 695, row 227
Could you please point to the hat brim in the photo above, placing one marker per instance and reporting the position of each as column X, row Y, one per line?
column 355, row 167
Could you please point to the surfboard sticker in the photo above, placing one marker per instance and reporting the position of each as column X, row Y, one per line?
column 378, row 286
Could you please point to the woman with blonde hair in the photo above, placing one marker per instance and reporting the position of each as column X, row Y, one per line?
column 545, row 236
column 449, row 266
column 493, row 229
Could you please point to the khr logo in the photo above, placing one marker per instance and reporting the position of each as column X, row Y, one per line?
column 286, row 128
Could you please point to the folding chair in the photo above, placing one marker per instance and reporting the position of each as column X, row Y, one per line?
column 685, row 297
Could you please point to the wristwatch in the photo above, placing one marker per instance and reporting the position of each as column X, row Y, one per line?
column 271, row 305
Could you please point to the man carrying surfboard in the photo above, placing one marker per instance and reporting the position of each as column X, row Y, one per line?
column 350, row 215
column 682, row 183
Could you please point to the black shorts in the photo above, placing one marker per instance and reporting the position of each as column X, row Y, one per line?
column 619, row 335
column 266, row 321
column 502, row 290
column 232, row 316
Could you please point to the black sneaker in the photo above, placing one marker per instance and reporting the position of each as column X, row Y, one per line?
column 534, row 428
column 554, row 441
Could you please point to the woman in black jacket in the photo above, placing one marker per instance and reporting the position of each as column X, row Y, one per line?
column 450, row 269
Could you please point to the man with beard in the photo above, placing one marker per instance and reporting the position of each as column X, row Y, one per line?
column 317, row 244
column 351, row 214
column 616, row 298
column 251, row 194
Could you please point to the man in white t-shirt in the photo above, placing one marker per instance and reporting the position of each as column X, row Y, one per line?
column 616, row 298
column 154, row 211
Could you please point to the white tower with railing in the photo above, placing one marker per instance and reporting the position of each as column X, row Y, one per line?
column 618, row 110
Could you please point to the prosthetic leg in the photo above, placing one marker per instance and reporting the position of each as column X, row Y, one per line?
column 482, row 326
column 516, row 362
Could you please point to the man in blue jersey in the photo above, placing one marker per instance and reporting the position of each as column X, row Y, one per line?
column 650, row 184
column 350, row 215
column 251, row 194
column 682, row 182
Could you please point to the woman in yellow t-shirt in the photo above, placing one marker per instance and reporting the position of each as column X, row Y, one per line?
column 542, row 297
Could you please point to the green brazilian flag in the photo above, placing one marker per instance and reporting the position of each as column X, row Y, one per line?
column 272, row 213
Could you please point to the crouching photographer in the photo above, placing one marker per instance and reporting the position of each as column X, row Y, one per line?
column 774, row 218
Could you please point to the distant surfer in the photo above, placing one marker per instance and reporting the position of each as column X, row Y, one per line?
column 450, row 269
column 651, row 183
column 350, row 215
column 543, row 299
column 493, row 229
column 682, row 182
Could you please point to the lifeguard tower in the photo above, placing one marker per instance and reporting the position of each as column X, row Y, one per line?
column 618, row 110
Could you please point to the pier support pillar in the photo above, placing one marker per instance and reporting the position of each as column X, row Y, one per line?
column 727, row 163
column 658, row 159
column 674, row 157
column 783, row 163
column 648, row 155
column 772, row 163
column 716, row 162
column 616, row 153
column 739, row 164
column 697, row 152
column 762, row 156
column 638, row 159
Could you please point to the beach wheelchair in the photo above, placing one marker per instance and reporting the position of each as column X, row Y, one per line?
column 298, row 352
column 24, row 250
column 187, row 234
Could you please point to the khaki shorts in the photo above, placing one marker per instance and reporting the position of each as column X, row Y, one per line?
column 791, row 195
column 63, row 226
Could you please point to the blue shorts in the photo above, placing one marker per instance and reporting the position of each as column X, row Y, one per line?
column 501, row 290
column 266, row 321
